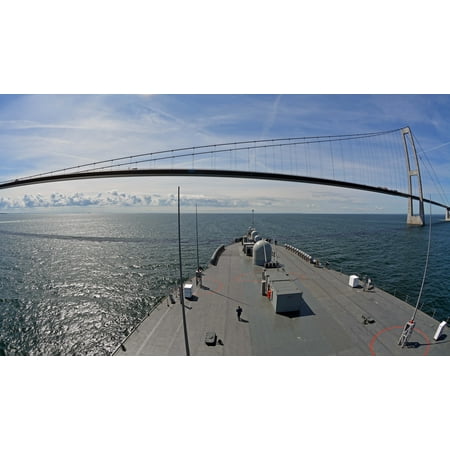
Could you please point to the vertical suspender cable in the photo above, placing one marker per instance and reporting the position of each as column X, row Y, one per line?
column 186, row 342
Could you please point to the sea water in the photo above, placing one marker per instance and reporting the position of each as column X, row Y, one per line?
column 76, row 284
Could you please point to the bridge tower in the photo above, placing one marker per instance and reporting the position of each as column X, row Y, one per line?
column 413, row 170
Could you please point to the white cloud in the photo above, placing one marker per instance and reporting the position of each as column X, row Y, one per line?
column 121, row 199
column 113, row 198
column 272, row 117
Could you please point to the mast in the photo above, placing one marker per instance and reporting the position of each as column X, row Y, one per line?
column 196, row 234
column 186, row 341
column 424, row 271
column 409, row 326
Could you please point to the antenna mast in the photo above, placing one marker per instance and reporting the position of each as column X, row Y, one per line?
column 196, row 234
column 186, row 342
column 199, row 271
column 409, row 326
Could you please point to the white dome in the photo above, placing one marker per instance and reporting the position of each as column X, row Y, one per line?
column 262, row 253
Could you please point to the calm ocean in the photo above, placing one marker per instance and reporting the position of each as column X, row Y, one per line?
column 74, row 284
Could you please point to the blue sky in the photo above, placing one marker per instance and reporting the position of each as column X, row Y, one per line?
column 45, row 132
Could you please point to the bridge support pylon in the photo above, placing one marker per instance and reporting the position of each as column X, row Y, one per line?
column 447, row 215
column 413, row 170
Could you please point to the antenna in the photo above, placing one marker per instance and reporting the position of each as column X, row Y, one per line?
column 424, row 272
column 199, row 271
column 253, row 218
column 409, row 326
column 186, row 342
column 196, row 234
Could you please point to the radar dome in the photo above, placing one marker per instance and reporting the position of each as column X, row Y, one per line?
column 262, row 253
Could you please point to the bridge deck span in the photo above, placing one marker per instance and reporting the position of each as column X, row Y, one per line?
column 210, row 173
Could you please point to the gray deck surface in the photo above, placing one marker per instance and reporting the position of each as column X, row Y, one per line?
column 330, row 320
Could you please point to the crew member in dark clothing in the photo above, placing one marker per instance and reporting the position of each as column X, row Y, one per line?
column 239, row 312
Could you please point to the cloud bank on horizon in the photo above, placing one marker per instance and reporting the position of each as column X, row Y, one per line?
column 39, row 133
column 122, row 200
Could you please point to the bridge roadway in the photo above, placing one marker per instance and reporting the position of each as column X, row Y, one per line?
column 57, row 176
column 330, row 320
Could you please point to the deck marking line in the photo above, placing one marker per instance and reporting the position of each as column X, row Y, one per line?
column 151, row 333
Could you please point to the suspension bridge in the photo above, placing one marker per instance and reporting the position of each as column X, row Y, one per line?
column 385, row 162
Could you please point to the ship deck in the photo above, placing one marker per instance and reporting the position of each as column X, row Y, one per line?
column 330, row 320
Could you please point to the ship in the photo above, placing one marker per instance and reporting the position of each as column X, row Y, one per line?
column 260, row 297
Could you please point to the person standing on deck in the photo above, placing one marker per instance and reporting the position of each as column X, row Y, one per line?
column 239, row 312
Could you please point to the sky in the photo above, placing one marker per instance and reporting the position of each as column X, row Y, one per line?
column 42, row 132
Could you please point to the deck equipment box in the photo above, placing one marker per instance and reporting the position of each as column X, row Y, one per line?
column 187, row 290
column 353, row 281
column 285, row 296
